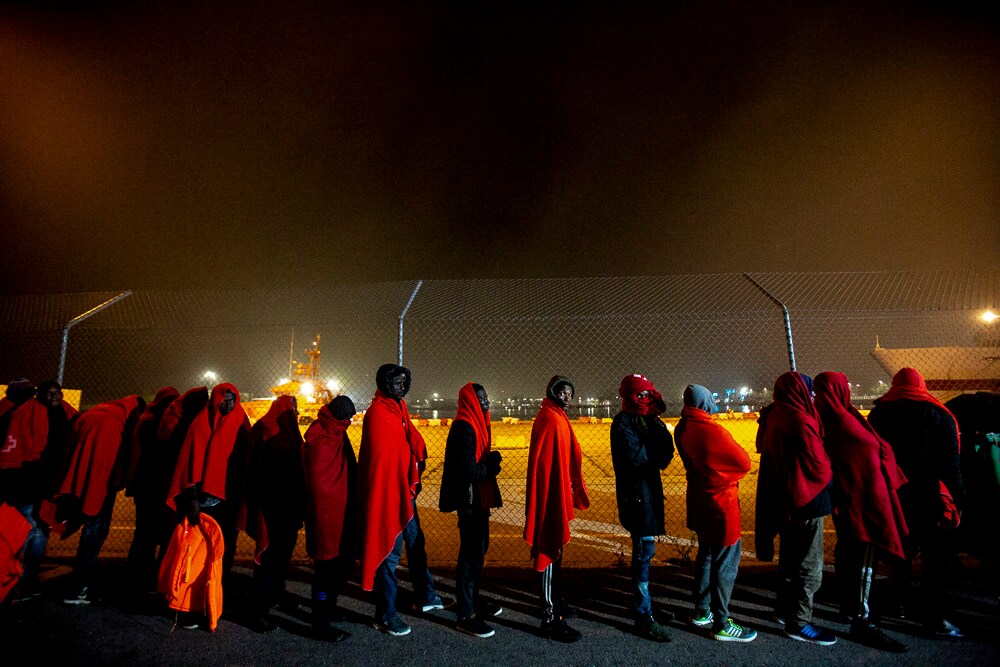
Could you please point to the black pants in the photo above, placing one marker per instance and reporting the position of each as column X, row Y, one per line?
column 551, row 586
column 225, row 514
column 328, row 582
column 854, row 564
column 936, row 548
column 154, row 524
column 474, row 542
column 269, row 576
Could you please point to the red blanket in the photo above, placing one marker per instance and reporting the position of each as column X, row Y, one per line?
column 95, row 444
column 471, row 412
column 866, row 476
column 204, row 456
column 715, row 463
column 391, row 448
column 28, row 433
column 14, row 530
column 330, row 471
column 144, row 436
column 555, row 485
column 791, row 440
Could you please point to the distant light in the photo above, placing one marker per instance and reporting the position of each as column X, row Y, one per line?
column 744, row 391
column 210, row 375
column 307, row 389
column 989, row 316
column 333, row 385
column 435, row 394
column 283, row 381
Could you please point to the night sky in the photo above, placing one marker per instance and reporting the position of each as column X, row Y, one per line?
column 245, row 144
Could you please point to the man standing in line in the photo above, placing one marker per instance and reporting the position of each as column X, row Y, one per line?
column 554, row 489
column 793, row 497
column 469, row 487
column 390, row 460
column 715, row 464
column 641, row 446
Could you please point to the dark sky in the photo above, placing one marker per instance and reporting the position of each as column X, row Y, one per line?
column 241, row 144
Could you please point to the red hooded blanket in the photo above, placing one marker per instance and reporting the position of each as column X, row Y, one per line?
column 28, row 433
column 391, row 448
column 210, row 440
column 866, row 476
column 555, row 484
column 471, row 412
column 330, row 471
column 14, row 530
column 715, row 463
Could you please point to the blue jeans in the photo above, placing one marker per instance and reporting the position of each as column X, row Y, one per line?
column 715, row 570
column 386, row 584
column 643, row 549
column 416, row 561
column 93, row 533
column 34, row 546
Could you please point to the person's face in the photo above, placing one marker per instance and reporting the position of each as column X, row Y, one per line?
column 643, row 396
column 397, row 385
column 228, row 403
column 295, row 405
column 565, row 394
column 53, row 397
column 484, row 400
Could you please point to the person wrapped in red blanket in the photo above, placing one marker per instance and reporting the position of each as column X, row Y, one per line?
column 331, row 472
column 554, row 489
column 866, row 509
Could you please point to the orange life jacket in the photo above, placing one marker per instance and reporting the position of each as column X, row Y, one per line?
column 191, row 573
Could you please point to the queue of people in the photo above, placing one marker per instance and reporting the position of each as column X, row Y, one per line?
column 199, row 473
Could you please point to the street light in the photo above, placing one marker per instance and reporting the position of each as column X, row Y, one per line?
column 210, row 376
column 989, row 316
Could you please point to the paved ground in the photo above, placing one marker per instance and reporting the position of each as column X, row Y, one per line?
column 115, row 631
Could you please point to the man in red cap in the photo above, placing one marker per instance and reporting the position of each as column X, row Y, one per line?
column 554, row 489
column 641, row 446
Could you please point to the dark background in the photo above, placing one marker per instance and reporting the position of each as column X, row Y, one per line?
column 265, row 144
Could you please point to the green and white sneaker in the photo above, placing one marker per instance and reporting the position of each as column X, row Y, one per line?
column 702, row 618
column 732, row 632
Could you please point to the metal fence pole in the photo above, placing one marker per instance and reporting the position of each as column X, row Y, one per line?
column 80, row 318
column 788, row 320
column 403, row 314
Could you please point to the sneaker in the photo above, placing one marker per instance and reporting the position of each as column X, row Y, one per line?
column 560, row 631
column 80, row 597
column 946, row 630
column 810, row 633
column 436, row 603
column 487, row 608
column 702, row 618
column 475, row 626
column 869, row 635
column 328, row 633
column 394, row 626
column 733, row 632
column 187, row 620
column 653, row 631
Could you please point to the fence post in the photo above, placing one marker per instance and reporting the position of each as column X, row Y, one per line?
column 80, row 318
column 402, row 315
column 788, row 320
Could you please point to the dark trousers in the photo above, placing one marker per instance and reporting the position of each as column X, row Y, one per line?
column 551, row 587
column 936, row 548
column 715, row 569
column 269, row 576
column 328, row 582
column 34, row 546
column 474, row 541
column 854, row 565
column 154, row 523
column 386, row 586
column 93, row 534
column 643, row 550
column 225, row 514
column 416, row 560
column 800, row 567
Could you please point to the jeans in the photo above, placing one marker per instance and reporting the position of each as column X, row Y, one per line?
column 386, row 584
column 474, row 541
column 93, row 533
column 715, row 570
column 643, row 549
column 416, row 561
column 34, row 546
column 800, row 566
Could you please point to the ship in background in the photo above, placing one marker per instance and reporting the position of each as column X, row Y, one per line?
column 950, row 371
column 304, row 384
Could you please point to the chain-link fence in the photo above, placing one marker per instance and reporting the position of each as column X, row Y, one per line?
column 725, row 331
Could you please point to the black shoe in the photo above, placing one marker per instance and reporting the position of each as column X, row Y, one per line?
column 475, row 626
column 560, row 631
column 328, row 633
column 262, row 625
column 869, row 635
column 651, row 630
column 565, row 610
column 487, row 608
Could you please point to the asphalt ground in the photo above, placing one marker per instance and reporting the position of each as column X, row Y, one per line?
column 127, row 627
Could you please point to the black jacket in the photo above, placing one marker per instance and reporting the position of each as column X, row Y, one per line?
column 925, row 443
column 640, row 448
column 459, row 490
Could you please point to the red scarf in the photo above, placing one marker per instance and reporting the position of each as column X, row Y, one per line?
column 28, row 433
column 330, row 473
column 95, row 444
column 631, row 403
column 555, row 485
column 391, row 448
column 471, row 412
column 714, row 463
column 866, row 476
column 204, row 456
column 790, row 440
